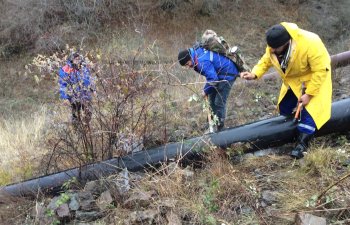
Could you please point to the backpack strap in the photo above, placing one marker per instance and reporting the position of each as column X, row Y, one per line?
column 211, row 58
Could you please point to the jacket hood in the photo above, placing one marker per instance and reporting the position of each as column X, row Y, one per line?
column 292, row 29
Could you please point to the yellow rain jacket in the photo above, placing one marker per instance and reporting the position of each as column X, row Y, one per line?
column 310, row 64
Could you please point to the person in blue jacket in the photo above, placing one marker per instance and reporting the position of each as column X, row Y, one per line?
column 220, row 73
column 76, row 87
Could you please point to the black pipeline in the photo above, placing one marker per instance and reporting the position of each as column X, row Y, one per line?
column 265, row 133
column 281, row 130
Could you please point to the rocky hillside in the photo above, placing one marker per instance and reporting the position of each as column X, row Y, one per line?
column 140, row 39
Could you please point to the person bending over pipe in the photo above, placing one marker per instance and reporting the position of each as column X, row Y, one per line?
column 220, row 73
column 303, row 62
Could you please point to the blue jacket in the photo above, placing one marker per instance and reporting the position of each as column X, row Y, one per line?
column 75, row 85
column 213, row 66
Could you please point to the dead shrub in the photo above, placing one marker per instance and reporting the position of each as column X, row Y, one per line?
column 129, row 110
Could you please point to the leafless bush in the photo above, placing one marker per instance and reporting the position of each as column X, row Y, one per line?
column 127, row 111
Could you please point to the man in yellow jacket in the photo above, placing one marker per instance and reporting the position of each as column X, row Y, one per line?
column 303, row 62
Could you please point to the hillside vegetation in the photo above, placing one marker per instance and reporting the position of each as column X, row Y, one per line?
column 142, row 100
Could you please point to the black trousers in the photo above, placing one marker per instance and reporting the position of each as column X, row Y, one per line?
column 81, row 111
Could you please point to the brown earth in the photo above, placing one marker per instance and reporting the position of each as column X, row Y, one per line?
column 222, row 191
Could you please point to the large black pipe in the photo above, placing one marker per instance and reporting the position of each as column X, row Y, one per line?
column 281, row 130
column 341, row 59
column 261, row 134
column 270, row 132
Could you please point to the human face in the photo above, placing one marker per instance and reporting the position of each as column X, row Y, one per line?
column 76, row 63
column 280, row 50
column 189, row 64
column 76, row 60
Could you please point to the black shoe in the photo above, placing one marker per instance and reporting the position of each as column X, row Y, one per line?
column 303, row 144
column 297, row 152
column 220, row 126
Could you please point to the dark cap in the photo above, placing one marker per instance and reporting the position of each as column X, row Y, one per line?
column 73, row 55
column 277, row 36
column 184, row 56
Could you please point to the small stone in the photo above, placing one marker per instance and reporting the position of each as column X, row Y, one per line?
column 263, row 204
column 139, row 199
column 86, row 201
column 90, row 186
column 269, row 197
column 246, row 210
column 95, row 187
column 105, row 200
column 53, row 205
column 63, row 211
column 88, row 216
column 308, row 219
column 74, row 204
column 147, row 216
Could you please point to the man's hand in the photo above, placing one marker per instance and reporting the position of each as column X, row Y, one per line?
column 204, row 95
column 305, row 99
column 248, row 75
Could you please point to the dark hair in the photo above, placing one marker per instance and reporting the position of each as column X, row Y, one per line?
column 184, row 56
column 276, row 36
column 73, row 56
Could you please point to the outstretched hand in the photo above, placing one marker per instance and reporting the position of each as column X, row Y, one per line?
column 247, row 75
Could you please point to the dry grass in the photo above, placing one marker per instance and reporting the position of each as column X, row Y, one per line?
column 21, row 144
column 15, row 211
column 216, row 193
column 219, row 192
column 223, row 192
column 299, row 183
